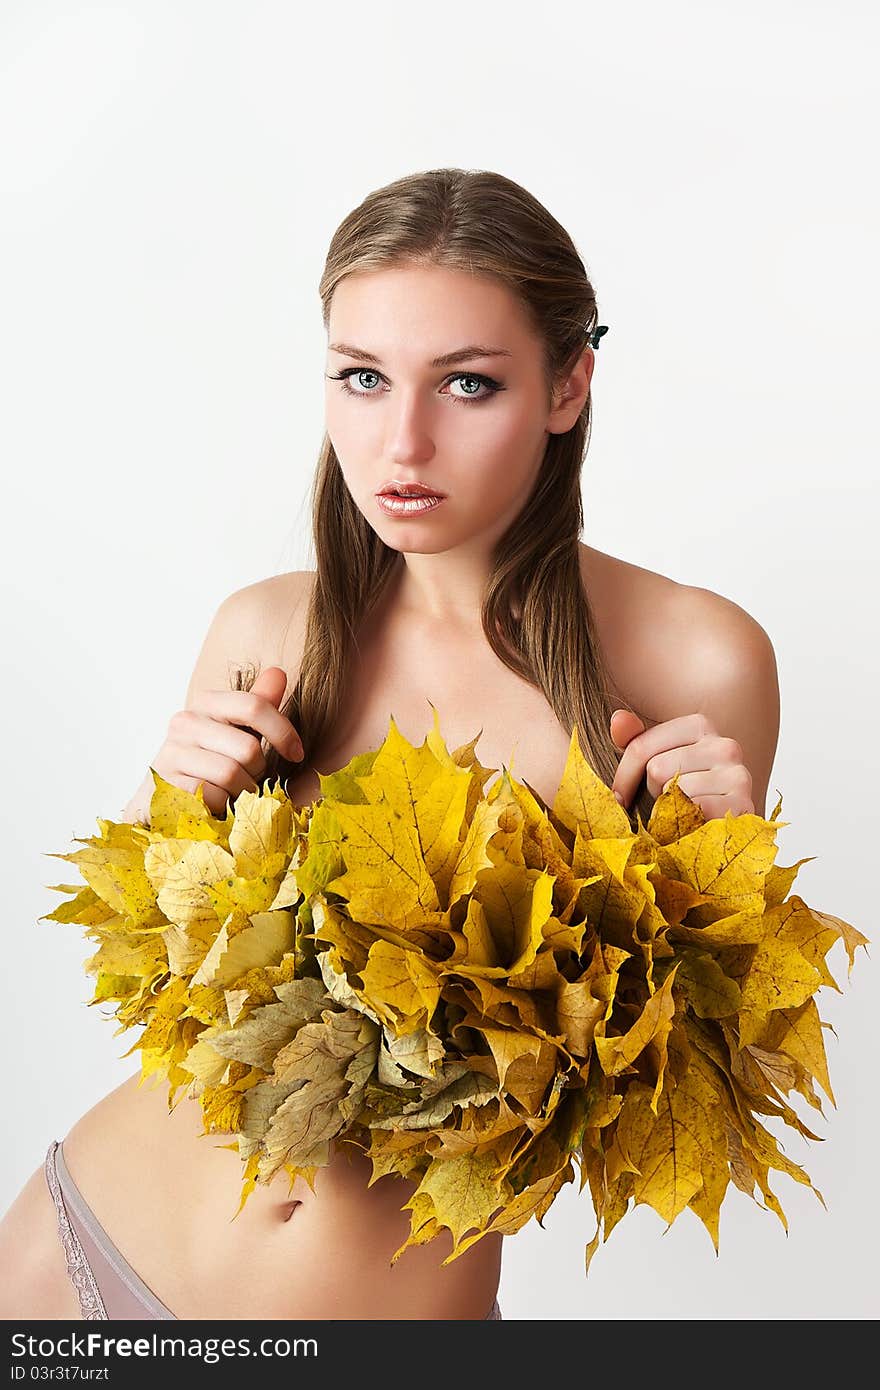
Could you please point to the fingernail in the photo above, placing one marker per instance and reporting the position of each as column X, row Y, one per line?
column 619, row 797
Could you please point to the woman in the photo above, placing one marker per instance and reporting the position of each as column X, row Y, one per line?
column 461, row 333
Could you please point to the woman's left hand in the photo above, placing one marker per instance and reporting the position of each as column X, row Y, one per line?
column 713, row 773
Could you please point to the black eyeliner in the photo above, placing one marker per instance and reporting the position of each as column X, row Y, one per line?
column 489, row 382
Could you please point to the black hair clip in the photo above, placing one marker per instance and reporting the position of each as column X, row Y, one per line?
column 597, row 334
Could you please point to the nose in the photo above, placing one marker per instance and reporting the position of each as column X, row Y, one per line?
column 409, row 437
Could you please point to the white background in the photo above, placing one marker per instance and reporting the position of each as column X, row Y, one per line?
column 170, row 177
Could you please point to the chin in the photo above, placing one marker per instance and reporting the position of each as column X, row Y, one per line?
column 414, row 545
column 415, row 536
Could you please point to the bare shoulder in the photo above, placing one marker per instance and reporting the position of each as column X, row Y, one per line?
column 286, row 598
column 35, row 1281
column 725, row 629
column 262, row 624
column 674, row 649
column 267, row 619
column 620, row 586
column 725, row 656
column 637, row 611
column 664, row 640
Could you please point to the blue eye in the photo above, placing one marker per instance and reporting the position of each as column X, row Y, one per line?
column 487, row 381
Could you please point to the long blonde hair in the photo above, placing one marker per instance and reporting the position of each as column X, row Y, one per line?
column 485, row 224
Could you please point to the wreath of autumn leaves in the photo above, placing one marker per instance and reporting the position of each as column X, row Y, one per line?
column 481, row 991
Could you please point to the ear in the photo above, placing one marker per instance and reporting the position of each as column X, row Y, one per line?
column 571, row 395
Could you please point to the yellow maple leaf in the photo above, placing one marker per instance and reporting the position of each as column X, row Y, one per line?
column 481, row 991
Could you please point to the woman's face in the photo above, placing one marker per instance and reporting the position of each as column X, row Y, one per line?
column 475, row 429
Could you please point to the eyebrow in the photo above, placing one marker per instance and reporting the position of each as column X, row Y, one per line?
column 447, row 359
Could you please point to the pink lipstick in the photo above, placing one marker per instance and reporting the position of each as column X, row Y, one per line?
column 407, row 499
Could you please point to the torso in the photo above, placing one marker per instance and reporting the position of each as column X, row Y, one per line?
column 166, row 1193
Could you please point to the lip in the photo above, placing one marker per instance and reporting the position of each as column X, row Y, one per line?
column 419, row 505
column 412, row 489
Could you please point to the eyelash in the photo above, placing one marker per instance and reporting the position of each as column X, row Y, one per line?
column 487, row 381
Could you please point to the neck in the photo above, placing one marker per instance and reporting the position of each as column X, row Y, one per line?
column 445, row 588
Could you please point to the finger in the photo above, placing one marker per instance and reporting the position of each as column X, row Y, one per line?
column 271, row 683
column 215, row 797
column 716, row 807
column 247, row 710
column 717, row 781
column 721, row 758
column 203, row 764
column 671, row 734
column 188, row 726
column 623, row 726
column 693, row 758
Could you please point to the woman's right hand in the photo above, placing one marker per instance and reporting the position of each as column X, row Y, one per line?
column 216, row 741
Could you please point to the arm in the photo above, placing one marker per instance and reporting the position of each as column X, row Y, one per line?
column 732, row 661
